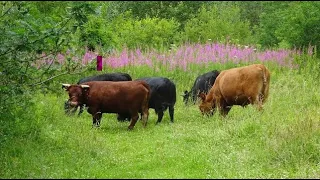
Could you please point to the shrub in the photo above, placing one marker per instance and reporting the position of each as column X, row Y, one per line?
column 217, row 24
column 145, row 33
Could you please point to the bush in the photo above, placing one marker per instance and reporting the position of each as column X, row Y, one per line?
column 289, row 24
column 217, row 24
column 145, row 33
column 96, row 32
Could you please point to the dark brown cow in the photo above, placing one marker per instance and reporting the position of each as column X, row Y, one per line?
column 111, row 97
column 237, row 86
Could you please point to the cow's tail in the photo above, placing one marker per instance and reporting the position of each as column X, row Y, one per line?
column 149, row 91
column 266, row 82
column 172, row 93
column 145, row 104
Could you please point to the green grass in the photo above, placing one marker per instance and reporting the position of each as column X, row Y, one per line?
column 283, row 141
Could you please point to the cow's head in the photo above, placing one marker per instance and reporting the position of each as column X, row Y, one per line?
column 186, row 96
column 206, row 108
column 77, row 94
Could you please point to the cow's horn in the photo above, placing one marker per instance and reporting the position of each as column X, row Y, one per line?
column 85, row 86
column 65, row 85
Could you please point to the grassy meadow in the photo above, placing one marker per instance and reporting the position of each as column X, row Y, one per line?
column 283, row 141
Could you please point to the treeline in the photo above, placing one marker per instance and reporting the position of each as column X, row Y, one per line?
column 158, row 24
column 161, row 23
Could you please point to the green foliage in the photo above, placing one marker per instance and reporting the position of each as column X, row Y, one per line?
column 145, row 33
column 181, row 11
column 289, row 24
column 218, row 25
column 96, row 33
column 26, row 35
column 251, row 10
column 80, row 12
column 302, row 20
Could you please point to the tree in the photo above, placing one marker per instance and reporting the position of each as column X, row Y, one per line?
column 26, row 36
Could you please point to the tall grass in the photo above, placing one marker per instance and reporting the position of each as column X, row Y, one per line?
column 280, row 142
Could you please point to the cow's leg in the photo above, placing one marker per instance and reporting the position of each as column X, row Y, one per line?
column 225, row 110
column 223, row 107
column 145, row 116
column 260, row 101
column 67, row 107
column 256, row 100
column 218, row 104
column 93, row 120
column 81, row 109
column 171, row 112
column 160, row 116
column 194, row 98
column 121, row 117
column 124, row 117
column 145, row 110
column 159, row 111
column 98, row 117
column 134, row 119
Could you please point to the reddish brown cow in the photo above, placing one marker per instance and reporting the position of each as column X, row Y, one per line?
column 237, row 86
column 112, row 97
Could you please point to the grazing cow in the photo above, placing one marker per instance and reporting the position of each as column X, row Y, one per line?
column 118, row 76
column 202, row 84
column 163, row 96
column 111, row 97
column 237, row 86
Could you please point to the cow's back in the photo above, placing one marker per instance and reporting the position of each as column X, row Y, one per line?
column 117, row 97
column 107, row 77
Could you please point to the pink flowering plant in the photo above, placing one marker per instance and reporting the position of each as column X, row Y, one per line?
column 184, row 56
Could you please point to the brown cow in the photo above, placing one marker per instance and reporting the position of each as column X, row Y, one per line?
column 111, row 97
column 237, row 86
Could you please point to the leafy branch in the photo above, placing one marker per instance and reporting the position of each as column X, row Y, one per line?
column 64, row 73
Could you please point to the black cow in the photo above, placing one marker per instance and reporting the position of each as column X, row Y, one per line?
column 163, row 96
column 118, row 76
column 203, row 83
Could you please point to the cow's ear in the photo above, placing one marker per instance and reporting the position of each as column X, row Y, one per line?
column 65, row 86
column 202, row 96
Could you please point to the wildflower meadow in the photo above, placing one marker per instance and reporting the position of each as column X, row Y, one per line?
column 280, row 142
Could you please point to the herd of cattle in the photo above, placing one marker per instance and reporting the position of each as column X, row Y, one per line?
column 118, row 93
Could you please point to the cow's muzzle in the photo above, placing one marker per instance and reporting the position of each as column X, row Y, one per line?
column 73, row 103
